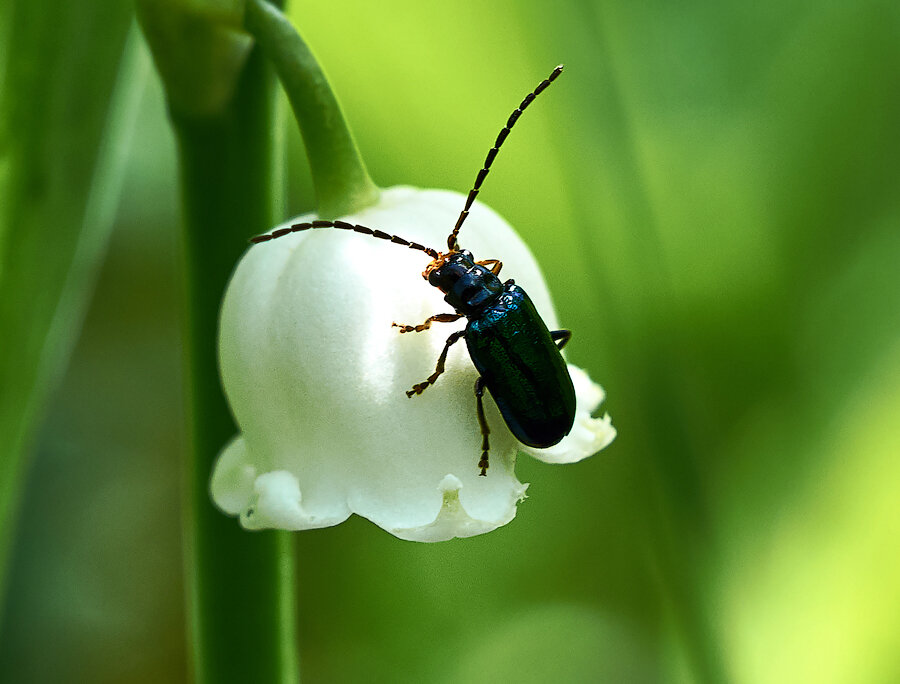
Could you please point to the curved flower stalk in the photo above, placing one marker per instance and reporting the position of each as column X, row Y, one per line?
column 317, row 379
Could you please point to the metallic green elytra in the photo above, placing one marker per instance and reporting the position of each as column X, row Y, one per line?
column 513, row 351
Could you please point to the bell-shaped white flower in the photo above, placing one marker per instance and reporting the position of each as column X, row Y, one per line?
column 316, row 377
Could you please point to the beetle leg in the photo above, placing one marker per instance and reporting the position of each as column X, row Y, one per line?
column 561, row 337
column 485, row 430
column 496, row 265
column 437, row 318
column 420, row 387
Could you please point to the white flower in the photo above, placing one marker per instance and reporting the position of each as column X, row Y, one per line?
column 316, row 378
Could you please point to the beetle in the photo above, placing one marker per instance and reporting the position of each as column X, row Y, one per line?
column 517, row 357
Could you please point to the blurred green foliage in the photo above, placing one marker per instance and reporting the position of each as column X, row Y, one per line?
column 62, row 147
column 711, row 189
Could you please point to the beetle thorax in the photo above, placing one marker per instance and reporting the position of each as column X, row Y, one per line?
column 468, row 286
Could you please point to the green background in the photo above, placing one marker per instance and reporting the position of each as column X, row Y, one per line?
column 712, row 191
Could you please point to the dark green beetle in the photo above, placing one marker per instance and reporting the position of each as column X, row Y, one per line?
column 518, row 359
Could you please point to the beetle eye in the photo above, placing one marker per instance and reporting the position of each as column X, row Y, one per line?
column 435, row 277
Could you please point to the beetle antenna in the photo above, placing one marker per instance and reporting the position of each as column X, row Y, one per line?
column 343, row 225
column 452, row 243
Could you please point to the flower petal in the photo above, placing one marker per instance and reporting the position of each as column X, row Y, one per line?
column 454, row 521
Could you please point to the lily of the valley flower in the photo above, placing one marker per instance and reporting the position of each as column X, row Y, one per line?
column 317, row 379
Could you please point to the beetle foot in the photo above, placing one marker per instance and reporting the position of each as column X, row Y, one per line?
column 483, row 464
column 420, row 387
column 437, row 318
column 409, row 328
column 417, row 389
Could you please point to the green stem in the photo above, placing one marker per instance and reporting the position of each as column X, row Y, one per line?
column 241, row 583
column 342, row 183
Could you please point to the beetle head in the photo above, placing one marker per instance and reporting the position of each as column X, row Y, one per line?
column 444, row 272
column 468, row 286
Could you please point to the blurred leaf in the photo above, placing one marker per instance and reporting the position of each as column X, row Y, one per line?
column 106, row 589
column 556, row 643
column 69, row 99
column 815, row 599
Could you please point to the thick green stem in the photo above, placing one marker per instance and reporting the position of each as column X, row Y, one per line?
column 241, row 583
column 339, row 174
